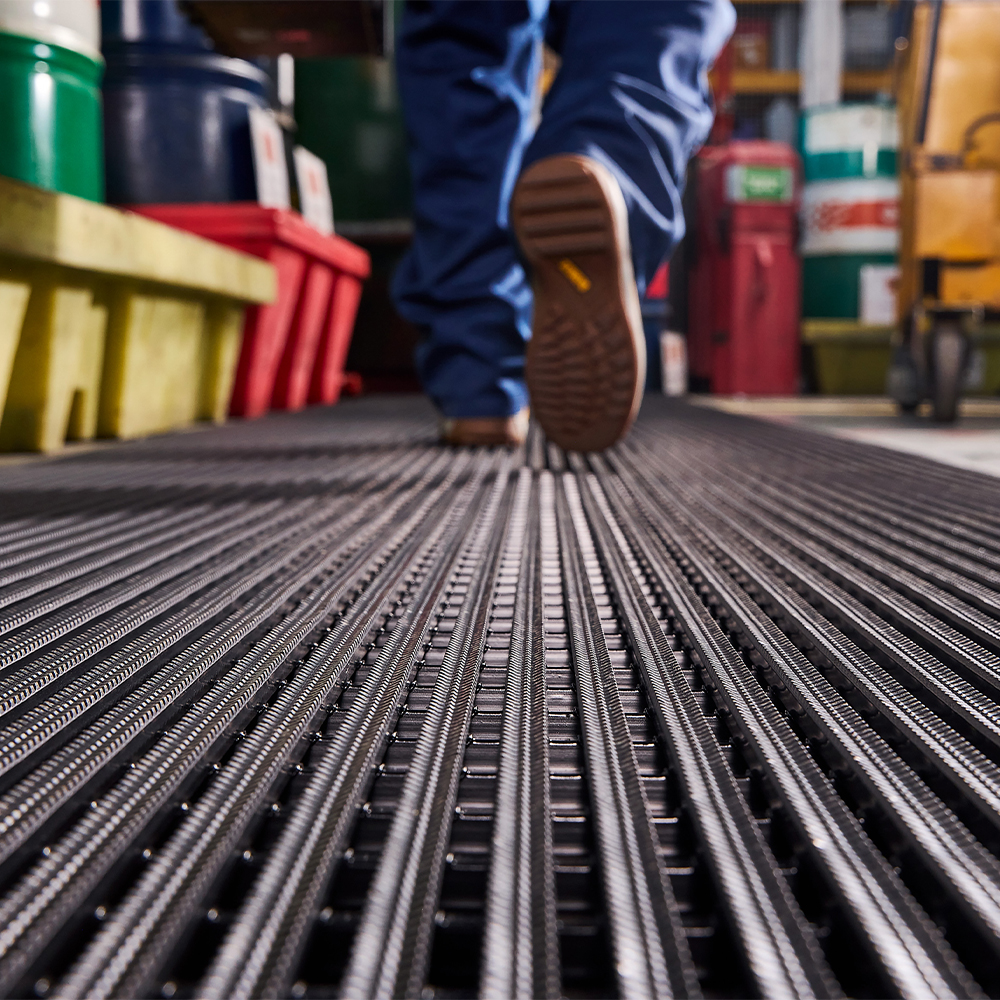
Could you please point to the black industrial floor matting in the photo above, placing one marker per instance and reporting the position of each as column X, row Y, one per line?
column 314, row 707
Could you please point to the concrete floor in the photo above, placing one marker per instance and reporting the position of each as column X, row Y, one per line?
column 971, row 443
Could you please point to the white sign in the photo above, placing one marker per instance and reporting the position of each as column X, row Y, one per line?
column 877, row 293
column 269, row 164
column 673, row 357
column 314, row 190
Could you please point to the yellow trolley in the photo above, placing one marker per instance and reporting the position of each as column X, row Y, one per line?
column 949, row 113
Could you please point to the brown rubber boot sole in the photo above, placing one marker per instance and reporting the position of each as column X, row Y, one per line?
column 586, row 360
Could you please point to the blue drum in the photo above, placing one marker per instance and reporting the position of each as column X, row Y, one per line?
column 176, row 127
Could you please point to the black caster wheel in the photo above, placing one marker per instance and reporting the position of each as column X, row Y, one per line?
column 903, row 383
column 948, row 354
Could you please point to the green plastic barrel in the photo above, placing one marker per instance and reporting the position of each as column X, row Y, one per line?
column 850, row 203
column 831, row 284
column 50, row 117
column 849, row 140
column 348, row 114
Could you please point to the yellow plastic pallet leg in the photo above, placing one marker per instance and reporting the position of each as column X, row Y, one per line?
column 152, row 364
column 223, row 336
column 46, row 367
column 83, row 412
column 14, row 297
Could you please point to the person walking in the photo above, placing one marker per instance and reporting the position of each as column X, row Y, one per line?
column 538, row 225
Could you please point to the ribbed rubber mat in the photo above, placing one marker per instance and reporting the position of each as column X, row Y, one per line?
column 313, row 707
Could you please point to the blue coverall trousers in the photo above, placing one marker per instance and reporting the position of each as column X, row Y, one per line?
column 632, row 92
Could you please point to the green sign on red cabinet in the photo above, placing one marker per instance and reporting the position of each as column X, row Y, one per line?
column 751, row 182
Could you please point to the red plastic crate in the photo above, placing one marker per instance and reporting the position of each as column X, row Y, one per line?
column 328, row 371
column 291, row 385
column 294, row 349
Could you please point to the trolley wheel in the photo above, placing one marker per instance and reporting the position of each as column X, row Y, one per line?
column 903, row 381
column 947, row 365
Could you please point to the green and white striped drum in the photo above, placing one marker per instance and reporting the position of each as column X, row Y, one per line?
column 850, row 210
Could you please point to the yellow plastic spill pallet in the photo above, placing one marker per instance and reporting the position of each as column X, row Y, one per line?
column 852, row 358
column 112, row 324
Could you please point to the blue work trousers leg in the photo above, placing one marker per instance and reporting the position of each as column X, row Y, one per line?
column 631, row 92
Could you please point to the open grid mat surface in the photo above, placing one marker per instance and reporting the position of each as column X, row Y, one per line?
column 313, row 707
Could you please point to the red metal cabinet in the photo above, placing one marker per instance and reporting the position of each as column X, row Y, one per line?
column 743, row 333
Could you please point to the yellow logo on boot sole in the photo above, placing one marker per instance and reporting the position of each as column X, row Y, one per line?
column 576, row 277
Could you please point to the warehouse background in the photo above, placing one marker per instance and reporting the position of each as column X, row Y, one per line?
column 297, row 702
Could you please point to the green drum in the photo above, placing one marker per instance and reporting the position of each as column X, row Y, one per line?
column 50, row 116
column 832, row 285
column 348, row 114
column 849, row 140
column 850, row 212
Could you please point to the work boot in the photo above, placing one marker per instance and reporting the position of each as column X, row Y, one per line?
column 485, row 430
column 586, row 361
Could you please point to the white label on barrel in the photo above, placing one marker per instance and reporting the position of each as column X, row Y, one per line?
column 269, row 166
column 314, row 190
column 877, row 293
